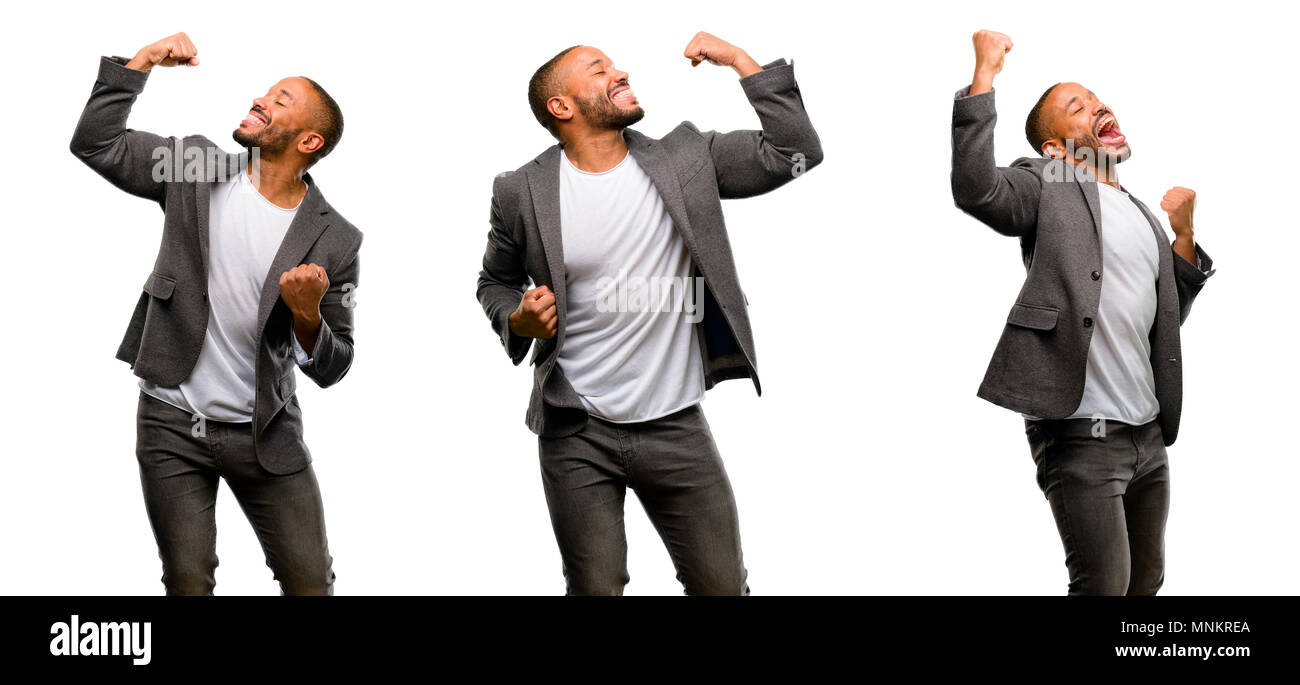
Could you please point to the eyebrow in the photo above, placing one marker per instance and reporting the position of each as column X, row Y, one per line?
column 595, row 62
column 286, row 93
column 1070, row 103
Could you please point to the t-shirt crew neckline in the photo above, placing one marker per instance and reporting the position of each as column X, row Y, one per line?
column 610, row 170
column 245, row 180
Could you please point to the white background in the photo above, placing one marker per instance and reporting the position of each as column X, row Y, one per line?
column 868, row 466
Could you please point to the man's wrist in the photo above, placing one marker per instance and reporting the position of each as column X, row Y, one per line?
column 745, row 65
column 139, row 63
column 309, row 321
column 982, row 81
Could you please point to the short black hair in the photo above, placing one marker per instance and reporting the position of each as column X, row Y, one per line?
column 328, row 121
column 1036, row 129
column 544, row 84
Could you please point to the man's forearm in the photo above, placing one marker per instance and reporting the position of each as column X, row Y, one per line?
column 306, row 328
column 746, row 66
column 982, row 82
column 1185, row 246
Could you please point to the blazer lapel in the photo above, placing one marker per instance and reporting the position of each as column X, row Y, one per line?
column 311, row 220
column 1092, row 195
column 234, row 165
column 544, row 186
column 654, row 160
column 1166, row 267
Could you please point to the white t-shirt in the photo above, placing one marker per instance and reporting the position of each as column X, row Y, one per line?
column 630, row 349
column 1120, row 385
column 244, row 233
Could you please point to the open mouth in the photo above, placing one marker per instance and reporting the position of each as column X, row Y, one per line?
column 1107, row 130
column 623, row 94
column 255, row 119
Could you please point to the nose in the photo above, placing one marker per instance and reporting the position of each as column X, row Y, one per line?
column 620, row 75
column 259, row 103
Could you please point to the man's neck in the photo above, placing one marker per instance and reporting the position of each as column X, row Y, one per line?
column 596, row 152
column 1108, row 175
column 279, row 183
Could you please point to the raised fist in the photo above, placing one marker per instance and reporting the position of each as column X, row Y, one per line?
column 168, row 52
column 1178, row 203
column 536, row 316
column 302, row 288
column 991, row 48
column 706, row 47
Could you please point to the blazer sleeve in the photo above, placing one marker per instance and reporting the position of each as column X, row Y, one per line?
column 332, row 356
column 752, row 162
column 503, row 278
column 1003, row 198
column 1191, row 279
column 103, row 142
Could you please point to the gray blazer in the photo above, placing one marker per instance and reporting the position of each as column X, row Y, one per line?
column 166, row 331
column 693, row 171
column 1039, row 365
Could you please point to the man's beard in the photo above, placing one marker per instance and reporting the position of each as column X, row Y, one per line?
column 269, row 141
column 1090, row 141
column 601, row 113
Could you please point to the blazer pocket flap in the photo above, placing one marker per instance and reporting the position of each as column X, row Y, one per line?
column 1033, row 316
column 159, row 286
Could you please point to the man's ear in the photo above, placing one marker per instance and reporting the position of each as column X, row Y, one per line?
column 559, row 108
column 310, row 143
column 1053, row 149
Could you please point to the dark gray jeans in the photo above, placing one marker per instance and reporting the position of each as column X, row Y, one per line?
column 677, row 473
column 1110, row 497
column 180, row 473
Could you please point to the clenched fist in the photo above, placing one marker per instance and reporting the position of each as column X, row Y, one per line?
column 168, row 52
column 991, row 49
column 1178, row 203
column 708, row 47
column 302, row 288
column 536, row 316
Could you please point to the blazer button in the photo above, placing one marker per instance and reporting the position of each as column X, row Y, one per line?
column 1096, row 275
column 1087, row 322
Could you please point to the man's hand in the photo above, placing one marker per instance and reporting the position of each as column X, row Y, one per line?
column 708, row 47
column 168, row 52
column 1178, row 203
column 535, row 317
column 302, row 288
column 991, row 48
